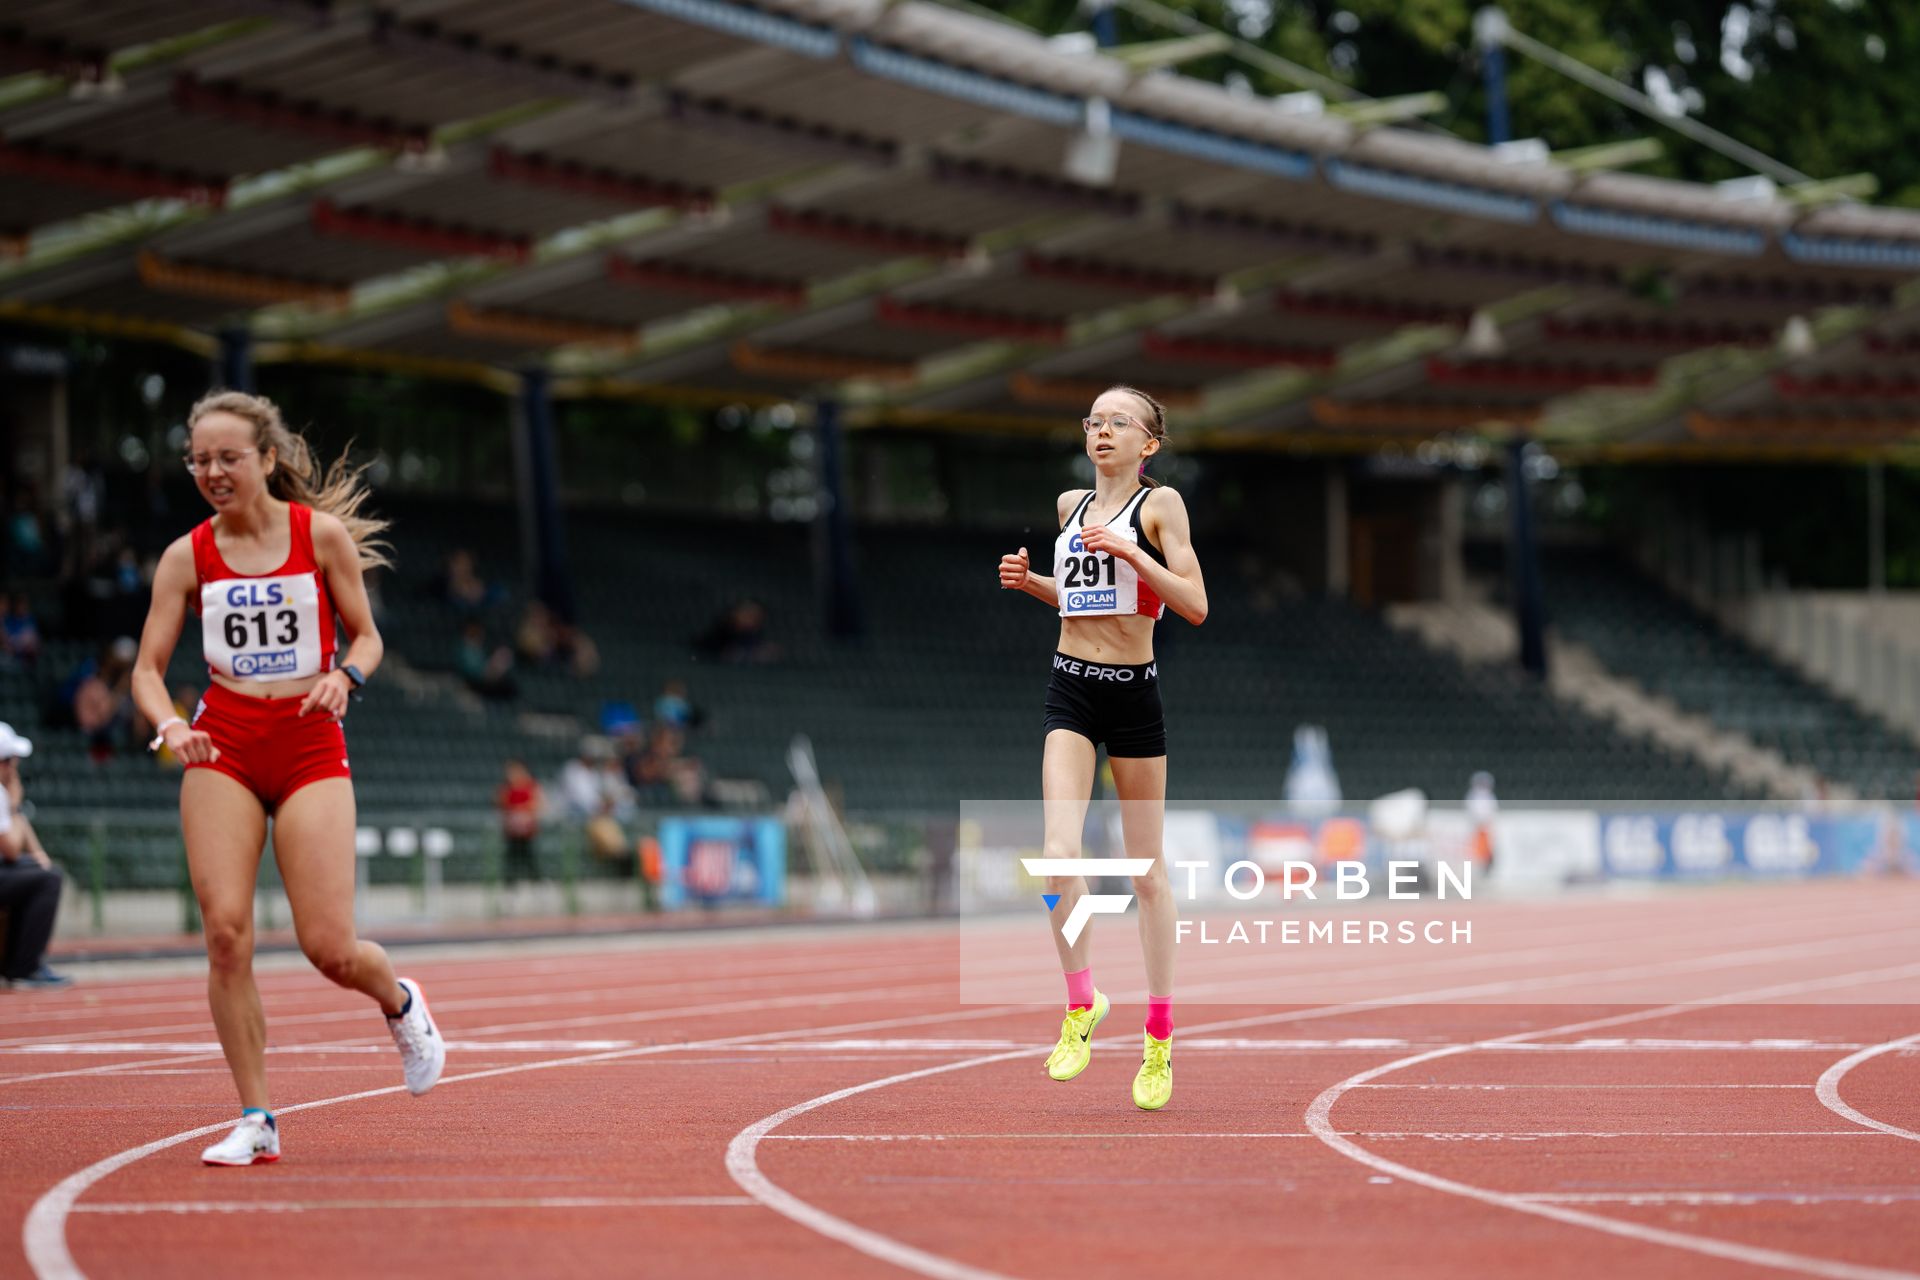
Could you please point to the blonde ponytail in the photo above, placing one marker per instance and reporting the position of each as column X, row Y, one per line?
column 296, row 477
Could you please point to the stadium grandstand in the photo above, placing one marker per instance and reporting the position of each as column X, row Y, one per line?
column 1534, row 808
column 660, row 309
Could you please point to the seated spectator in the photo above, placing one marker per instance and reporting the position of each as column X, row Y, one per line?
column 103, row 701
column 576, row 648
column 739, row 634
column 29, row 886
column 28, row 555
column 487, row 671
column 663, row 773
column 545, row 638
column 520, row 803
column 591, row 784
column 463, row 587
column 534, row 637
column 21, row 632
column 600, row 798
column 674, row 707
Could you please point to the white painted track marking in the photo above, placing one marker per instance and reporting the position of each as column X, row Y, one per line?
column 1827, row 1088
column 1319, row 1114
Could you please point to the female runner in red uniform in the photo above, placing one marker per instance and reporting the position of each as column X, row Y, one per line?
column 1124, row 556
column 282, row 553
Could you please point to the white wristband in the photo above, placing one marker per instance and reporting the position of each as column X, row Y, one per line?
column 160, row 734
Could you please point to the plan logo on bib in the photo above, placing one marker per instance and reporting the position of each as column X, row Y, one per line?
column 1107, row 599
column 281, row 662
column 1090, row 904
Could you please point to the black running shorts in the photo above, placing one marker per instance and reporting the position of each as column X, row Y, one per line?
column 1111, row 705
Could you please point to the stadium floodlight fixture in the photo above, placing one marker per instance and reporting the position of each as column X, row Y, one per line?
column 1093, row 153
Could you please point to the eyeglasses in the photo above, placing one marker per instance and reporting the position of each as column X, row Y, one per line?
column 228, row 459
column 1119, row 422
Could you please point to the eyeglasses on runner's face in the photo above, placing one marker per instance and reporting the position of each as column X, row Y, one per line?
column 228, row 459
column 1119, row 422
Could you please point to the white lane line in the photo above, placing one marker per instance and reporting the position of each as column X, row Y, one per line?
column 1707, row 1199
column 1827, row 1088
column 44, row 1234
column 358, row 1206
column 205, row 1046
column 1217, row 1044
column 1318, row 1119
column 1500, row 1089
column 743, row 1164
column 1431, row 1135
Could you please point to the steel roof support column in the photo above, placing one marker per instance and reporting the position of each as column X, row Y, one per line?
column 1489, row 33
column 833, row 527
column 233, row 366
column 1523, row 562
column 543, row 540
column 1106, row 29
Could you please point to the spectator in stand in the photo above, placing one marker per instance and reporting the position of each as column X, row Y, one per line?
column 545, row 639
column 673, row 707
column 662, row 772
column 103, row 701
column 21, row 631
column 599, row 796
column 577, row 649
column 534, row 637
column 739, row 634
column 28, row 555
column 487, row 671
column 591, row 783
column 463, row 586
column 29, row 886
column 521, row 803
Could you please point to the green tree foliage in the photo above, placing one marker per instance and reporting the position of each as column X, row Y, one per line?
column 1823, row 85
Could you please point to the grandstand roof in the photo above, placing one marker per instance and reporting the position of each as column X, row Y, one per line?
column 935, row 216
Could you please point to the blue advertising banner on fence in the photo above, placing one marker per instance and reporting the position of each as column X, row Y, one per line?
column 707, row 862
column 1679, row 846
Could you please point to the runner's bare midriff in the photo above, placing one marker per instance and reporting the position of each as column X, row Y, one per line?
column 270, row 690
column 1121, row 640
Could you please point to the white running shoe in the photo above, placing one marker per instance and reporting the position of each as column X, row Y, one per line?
column 422, row 1052
column 253, row 1141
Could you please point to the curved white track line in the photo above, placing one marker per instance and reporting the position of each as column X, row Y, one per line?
column 1827, row 1089
column 45, row 1233
column 744, row 1167
column 1319, row 1122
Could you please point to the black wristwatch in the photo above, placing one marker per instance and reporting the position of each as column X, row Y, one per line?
column 352, row 673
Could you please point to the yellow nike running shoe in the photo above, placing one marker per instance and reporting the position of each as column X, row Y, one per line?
column 1075, row 1050
column 1153, row 1087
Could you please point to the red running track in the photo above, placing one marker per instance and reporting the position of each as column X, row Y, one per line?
column 817, row 1102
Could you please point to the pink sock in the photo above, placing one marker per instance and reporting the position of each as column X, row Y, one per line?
column 1159, row 1016
column 1080, row 989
